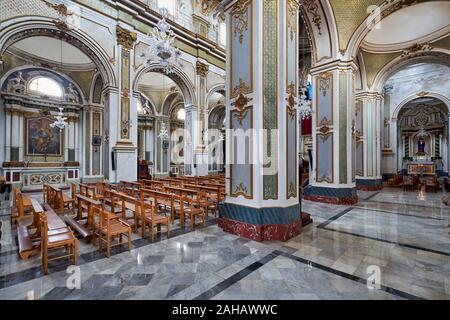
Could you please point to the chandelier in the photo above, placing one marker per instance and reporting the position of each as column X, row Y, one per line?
column 304, row 106
column 60, row 121
column 163, row 133
column 161, row 48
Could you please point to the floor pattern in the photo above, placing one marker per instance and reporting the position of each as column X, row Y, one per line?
column 401, row 238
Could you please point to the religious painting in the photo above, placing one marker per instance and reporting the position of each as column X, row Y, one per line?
column 41, row 138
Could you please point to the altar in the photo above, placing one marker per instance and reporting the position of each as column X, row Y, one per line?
column 422, row 168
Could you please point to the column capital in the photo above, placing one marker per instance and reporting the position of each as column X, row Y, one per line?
column 201, row 68
column 125, row 38
column 334, row 65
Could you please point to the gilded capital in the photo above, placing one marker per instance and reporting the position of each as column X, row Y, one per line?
column 125, row 37
column 202, row 69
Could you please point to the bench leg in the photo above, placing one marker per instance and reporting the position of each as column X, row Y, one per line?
column 75, row 251
column 129, row 239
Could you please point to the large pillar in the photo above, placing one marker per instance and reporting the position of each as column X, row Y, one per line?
column 332, row 179
column 368, row 154
column 201, row 125
column 262, row 175
column 125, row 141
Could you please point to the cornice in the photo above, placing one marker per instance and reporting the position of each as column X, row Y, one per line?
column 143, row 13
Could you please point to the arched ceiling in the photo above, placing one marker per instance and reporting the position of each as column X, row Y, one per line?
column 48, row 50
column 401, row 29
column 156, row 81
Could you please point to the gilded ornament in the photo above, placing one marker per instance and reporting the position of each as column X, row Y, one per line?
column 125, row 37
column 240, row 18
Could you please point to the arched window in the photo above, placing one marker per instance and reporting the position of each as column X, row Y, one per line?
column 222, row 34
column 181, row 114
column 170, row 5
column 46, row 87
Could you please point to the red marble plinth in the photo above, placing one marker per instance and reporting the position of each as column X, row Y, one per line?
column 333, row 200
column 268, row 232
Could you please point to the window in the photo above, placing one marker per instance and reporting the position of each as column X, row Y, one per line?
column 181, row 114
column 169, row 5
column 223, row 34
column 46, row 87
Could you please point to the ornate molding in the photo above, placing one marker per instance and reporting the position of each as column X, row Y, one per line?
column 416, row 48
column 201, row 68
column 125, row 37
column 241, row 88
column 208, row 6
column 60, row 8
column 313, row 8
column 292, row 6
column 240, row 18
column 422, row 94
column 240, row 189
column 324, row 82
column 240, row 107
column 325, row 127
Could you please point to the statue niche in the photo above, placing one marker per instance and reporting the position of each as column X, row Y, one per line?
column 71, row 94
column 17, row 84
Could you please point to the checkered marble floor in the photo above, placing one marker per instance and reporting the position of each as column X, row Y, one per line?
column 399, row 235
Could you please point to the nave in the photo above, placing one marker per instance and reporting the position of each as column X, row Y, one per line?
column 329, row 260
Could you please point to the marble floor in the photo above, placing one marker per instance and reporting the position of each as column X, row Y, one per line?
column 392, row 245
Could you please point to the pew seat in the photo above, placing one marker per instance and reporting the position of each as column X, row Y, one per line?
column 26, row 247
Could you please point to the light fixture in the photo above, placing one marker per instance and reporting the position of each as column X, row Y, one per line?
column 163, row 133
column 422, row 133
column 161, row 48
column 60, row 121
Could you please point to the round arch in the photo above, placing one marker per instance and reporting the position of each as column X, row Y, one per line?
column 439, row 56
column 150, row 102
column 435, row 95
column 48, row 71
column 169, row 101
column 219, row 88
column 25, row 27
column 180, row 78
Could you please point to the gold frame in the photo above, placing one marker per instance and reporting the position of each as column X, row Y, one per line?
column 25, row 137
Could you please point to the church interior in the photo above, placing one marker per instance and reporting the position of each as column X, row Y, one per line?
column 224, row 150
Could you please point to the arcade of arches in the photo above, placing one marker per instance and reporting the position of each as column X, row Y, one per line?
column 292, row 132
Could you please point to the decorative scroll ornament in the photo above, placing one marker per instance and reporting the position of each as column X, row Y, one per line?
column 422, row 94
column 241, row 88
column 240, row 107
column 325, row 129
column 292, row 191
column 292, row 18
column 240, row 18
column 125, row 37
column 416, row 49
column 208, row 6
column 312, row 7
column 162, row 49
column 240, row 189
column 324, row 83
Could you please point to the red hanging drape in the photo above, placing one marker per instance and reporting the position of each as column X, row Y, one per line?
column 307, row 126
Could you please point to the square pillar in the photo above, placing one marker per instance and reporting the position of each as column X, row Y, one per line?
column 332, row 179
column 262, row 127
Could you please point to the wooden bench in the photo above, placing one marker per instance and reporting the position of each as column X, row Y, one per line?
column 57, row 198
column 24, row 239
column 89, row 205
column 21, row 204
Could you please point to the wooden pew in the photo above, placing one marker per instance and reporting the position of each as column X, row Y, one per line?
column 54, row 238
column 154, row 210
column 57, row 198
column 91, row 206
column 21, row 204
column 24, row 239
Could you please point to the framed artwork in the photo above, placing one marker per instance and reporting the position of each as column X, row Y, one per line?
column 41, row 138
